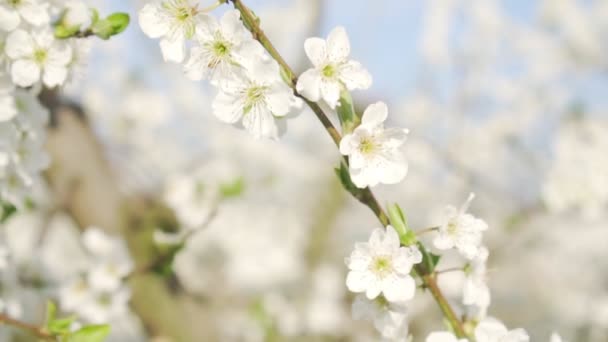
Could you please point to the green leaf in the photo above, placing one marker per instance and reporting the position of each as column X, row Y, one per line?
column 346, row 113
column 91, row 333
column 234, row 189
column 399, row 222
column 434, row 258
column 344, row 176
column 119, row 22
column 110, row 26
column 6, row 211
column 60, row 326
column 63, row 32
column 51, row 312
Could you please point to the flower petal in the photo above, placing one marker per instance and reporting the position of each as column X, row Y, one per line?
column 19, row 44
column 375, row 114
column 9, row 18
column 315, row 49
column 173, row 50
column 338, row 46
column 398, row 289
column 227, row 108
column 354, row 76
column 54, row 75
column 150, row 21
column 25, row 72
column 330, row 91
column 309, row 84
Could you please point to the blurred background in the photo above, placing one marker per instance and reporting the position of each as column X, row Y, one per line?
column 506, row 99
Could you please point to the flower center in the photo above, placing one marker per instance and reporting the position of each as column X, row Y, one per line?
column 40, row 56
column 382, row 266
column 221, row 48
column 367, row 145
column 328, row 71
column 255, row 95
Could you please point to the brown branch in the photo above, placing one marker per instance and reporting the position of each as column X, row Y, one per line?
column 32, row 329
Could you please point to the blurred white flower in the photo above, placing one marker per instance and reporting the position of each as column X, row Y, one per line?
column 34, row 12
column 77, row 14
column 174, row 21
column 258, row 97
column 492, row 330
column 37, row 54
column 332, row 70
column 373, row 151
column 390, row 319
column 110, row 259
column 382, row 266
column 476, row 291
column 461, row 230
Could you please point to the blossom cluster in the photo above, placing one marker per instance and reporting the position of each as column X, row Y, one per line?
column 253, row 93
column 85, row 274
column 31, row 59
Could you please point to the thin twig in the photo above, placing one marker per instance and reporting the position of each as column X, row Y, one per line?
column 34, row 330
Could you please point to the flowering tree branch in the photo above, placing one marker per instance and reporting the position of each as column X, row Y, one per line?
column 365, row 195
column 34, row 330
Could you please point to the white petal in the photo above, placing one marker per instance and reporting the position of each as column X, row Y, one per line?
column 173, row 50
column 232, row 27
column 393, row 173
column 376, row 238
column 197, row 66
column 442, row 336
column 19, row 44
column 227, row 108
column 9, row 18
column 279, row 99
column 309, row 84
column 443, row 241
column 25, row 72
column 338, row 46
column 375, row 114
column 374, row 288
column 354, row 76
column 260, row 123
column 363, row 177
column 391, row 238
column 330, row 91
column 315, row 49
column 60, row 54
column 7, row 108
column 34, row 13
column 347, row 145
column 150, row 21
column 398, row 289
column 357, row 281
column 54, row 75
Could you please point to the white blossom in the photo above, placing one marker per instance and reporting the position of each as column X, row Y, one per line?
column 174, row 21
column 109, row 258
column 476, row 291
column 390, row 319
column 382, row 266
column 34, row 12
column 332, row 70
column 492, row 330
column 219, row 46
column 257, row 98
column 374, row 151
column 461, row 230
column 37, row 54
